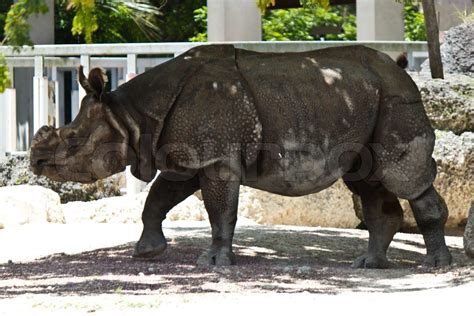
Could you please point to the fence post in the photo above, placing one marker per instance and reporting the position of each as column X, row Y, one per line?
column 134, row 185
column 40, row 95
column 7, row 121
column 411, row 59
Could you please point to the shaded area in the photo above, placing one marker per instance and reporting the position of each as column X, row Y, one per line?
column 276, row 259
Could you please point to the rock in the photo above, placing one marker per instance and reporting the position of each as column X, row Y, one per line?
column 128, row 209
column 454, row 156
column 15, row 170
column 457, row 51
column 469, row 234
column 332, row 207
column 120, row 209
column 24, row 204
column 449, row 103
column 190, row 209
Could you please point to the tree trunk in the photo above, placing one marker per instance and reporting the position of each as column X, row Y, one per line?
column 432, row 31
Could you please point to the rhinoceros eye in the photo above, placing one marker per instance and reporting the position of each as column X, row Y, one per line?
column 76, row 143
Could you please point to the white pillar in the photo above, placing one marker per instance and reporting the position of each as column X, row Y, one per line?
column 233, row 20
column 7, row 121
column 134, row 185
column 86, row 64
column 40, row 95
column 379, row 20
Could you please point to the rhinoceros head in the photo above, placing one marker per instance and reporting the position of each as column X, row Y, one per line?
column 93, row 146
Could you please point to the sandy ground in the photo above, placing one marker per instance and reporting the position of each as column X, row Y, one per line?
column 87, row 269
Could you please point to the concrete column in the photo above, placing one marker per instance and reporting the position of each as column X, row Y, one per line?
column 42, row 26
column 233, row 20
column 379, row 20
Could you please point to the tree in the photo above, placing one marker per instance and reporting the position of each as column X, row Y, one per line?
column 432, row 31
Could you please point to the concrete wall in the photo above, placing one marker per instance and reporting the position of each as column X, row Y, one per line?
column 379, row 20
column 233, row 20
column 451, row 11
column 42, row 26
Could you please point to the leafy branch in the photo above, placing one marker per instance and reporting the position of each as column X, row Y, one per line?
column 264, row 4
column 141, row 12
column 16, row 25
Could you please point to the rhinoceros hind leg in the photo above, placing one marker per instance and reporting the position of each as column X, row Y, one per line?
column 166, row 192
column 383, row 216
column 221, row 198
column 430, row 213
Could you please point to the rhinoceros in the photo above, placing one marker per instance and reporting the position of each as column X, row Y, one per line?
column 217, row 117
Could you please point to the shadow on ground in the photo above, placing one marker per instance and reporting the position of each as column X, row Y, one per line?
column 288, row 260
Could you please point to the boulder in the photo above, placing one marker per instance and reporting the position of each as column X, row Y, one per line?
column 449, row 102
column 469, row 234
column 332, row 207
column 128, row 209
column 15, row 170
column 457, row 51
column 119, row 209
column 25, row 204
column 454, row 156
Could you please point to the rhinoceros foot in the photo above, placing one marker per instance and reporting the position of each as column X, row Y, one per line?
column 368, row 261
column 150, row 245
column 440, row 258
column 217, row 256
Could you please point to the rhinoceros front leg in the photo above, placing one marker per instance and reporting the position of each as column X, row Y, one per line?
column 166, row 192
column 221, row 201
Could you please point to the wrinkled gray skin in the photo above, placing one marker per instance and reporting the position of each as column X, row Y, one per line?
column 469, row 233
column 292, row 124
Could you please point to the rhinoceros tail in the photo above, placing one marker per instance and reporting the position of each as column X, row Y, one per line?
column 402, row 60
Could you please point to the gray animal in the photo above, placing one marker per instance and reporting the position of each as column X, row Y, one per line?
column 292, row 124
column 469, row 233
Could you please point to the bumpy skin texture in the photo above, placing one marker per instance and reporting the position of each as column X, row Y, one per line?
column 292, row 124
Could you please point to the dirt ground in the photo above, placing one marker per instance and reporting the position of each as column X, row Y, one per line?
column 87, row 269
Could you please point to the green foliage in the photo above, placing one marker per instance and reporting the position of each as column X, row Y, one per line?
column 85, row 20
column 4, row 7
column 117, row 21
column 16, row 25
column 264, row 4
column 177, row 22
column 200, row 18
column 287, row 25
column 297, row 24
column 414, row 23
column 4, row 75
column 294, row 24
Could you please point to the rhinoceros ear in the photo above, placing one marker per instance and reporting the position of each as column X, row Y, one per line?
column 95, row 83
